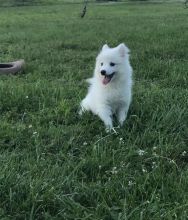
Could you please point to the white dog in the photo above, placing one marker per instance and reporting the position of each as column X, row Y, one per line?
column 111, row 85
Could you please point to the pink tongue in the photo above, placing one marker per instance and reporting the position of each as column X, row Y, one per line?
column 106, row 80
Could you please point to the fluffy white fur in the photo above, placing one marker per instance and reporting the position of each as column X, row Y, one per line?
column 111, row 85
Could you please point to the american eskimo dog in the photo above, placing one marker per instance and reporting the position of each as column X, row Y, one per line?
column 110, row 87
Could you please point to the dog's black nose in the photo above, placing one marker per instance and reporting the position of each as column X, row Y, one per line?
column 103, row 72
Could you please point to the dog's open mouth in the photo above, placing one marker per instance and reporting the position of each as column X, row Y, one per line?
column 107, row 78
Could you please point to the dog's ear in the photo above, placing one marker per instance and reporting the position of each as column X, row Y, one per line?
column 123, row 50
column 105, row 46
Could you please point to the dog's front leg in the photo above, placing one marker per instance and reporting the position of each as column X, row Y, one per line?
column 105, row 115
column 84, row 106
column 122, row 113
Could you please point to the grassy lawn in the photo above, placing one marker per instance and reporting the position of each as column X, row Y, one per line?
column 56, row 165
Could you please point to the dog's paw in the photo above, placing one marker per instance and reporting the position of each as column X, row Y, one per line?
column 121, row 119
column 108, row 130
column 111, row 130
column 81, row 111
column 121, row 122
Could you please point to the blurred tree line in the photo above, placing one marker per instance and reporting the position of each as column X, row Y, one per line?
column 34, row 2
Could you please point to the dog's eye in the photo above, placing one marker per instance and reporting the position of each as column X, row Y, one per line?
column 101, row 64
column 112, row 64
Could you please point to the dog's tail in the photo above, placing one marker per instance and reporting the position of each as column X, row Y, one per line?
column 90, row 81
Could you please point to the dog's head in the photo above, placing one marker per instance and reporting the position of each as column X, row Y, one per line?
column 110, row 62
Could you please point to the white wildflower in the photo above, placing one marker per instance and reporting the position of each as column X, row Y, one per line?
column 114, row 170
column 131, row 183
column 123, row 164
column 85, row 143
column 141, row 152
column 183, row 153
column 154, row 165
column 30, row 126
column 144, row 170
column 121, row 141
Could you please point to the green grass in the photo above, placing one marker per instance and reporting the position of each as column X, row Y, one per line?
column 55, row 165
